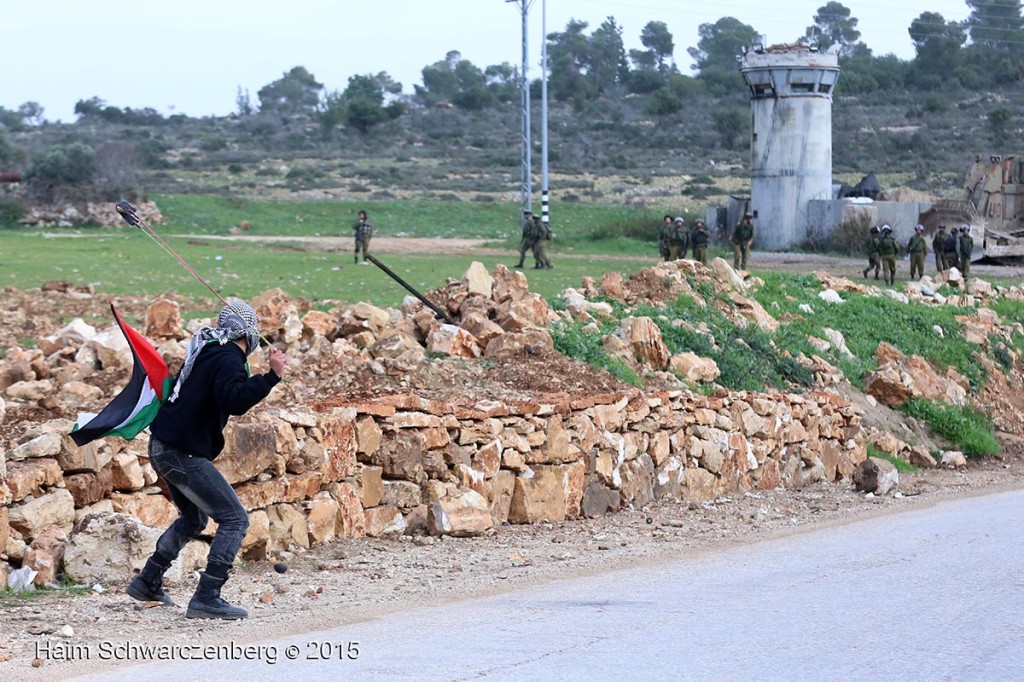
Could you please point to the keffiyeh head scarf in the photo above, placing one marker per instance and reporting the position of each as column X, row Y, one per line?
column 237, row 320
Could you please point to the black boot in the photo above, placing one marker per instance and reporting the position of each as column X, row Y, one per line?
column 206, row 602
column 519, row 265
column 865, row 273
column 148, row 585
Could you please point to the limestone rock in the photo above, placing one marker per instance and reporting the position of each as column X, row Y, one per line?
column 952, row 459
column 401, row 494
column 107, row 548
column 463, row 515
column 322, row 518
column 370, row 486
column 477, row 280
column 830, row 296
column 920, row 457
column 287, row 528
column 75, row 393
column 127, row 472
column 538, row 497
column 599, row 500
column 56, row 508
column 382, row 521
column 256, row 543
column 724, row 273
column 152, row 510
column 249, row 448
column 693, row 368
column 889, row 385
column 482, row 328
column 31, row 476
column 30, row 391
column 351, row 519
column 273, row 307
column 339, row 438
column 45, row 553
column 447, row 339
column 877, row 476
column 644, row 338
column 89, row 487
column 43, row 445
column 163, row 319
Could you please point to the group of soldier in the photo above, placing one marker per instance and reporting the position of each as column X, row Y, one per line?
column 951, row 250
column 535, row 236
column 674, row 238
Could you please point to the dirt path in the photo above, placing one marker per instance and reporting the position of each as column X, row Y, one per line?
column 761, row 260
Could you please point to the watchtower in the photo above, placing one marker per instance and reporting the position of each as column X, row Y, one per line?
column 791, row 89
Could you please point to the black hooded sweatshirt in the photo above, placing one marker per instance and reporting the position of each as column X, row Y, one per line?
column 218, row 386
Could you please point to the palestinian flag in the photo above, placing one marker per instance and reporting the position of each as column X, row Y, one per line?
column 135, row 407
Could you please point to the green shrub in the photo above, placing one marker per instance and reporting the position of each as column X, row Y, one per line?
column 902, row 465
column 11, row 211
column 572, row 341
column 965, row 426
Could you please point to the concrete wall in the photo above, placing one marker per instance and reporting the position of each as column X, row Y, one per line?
column 902, row 216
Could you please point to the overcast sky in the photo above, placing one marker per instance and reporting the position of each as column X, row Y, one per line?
column 190, row 56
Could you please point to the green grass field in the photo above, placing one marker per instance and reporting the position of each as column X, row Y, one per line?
column 577, row 226
column 128, row 263
column 125, row 261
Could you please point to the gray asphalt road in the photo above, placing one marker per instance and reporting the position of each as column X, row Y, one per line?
column 933, row 594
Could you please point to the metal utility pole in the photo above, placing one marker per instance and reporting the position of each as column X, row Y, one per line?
column 525, row 189
column 545, row 217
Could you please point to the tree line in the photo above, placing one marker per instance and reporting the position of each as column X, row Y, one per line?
column 985, row 51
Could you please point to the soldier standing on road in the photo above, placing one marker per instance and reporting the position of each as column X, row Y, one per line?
column 966, row 245
column 951, row 250
column 874, row 260
column 678, row 240
column 542, row 233
column 939, row 246
column 888, row 249
column 526, row 228
column 742, row 238
column 364, row 231
column 664, row 232
column 700, row 242
column 918, row 249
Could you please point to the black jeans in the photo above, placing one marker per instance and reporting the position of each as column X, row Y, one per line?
column 201, row 493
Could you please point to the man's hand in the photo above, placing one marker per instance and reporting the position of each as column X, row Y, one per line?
column 277, row 360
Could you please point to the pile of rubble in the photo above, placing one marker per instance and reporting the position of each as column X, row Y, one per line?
column 388, row 423
column 84, row 213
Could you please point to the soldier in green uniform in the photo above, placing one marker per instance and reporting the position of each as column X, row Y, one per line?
column 700, row 242
column 939, row 246
column 363, row 232
column 966, row 244
column 888, row 249
column 664, row 232
column 951, row 250
column 526, row 228
column 542, row 234
column 918, row 249
column 871, row 247
column 742, row 238
column 678, row 240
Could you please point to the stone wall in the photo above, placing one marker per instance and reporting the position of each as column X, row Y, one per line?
column 407, row 464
